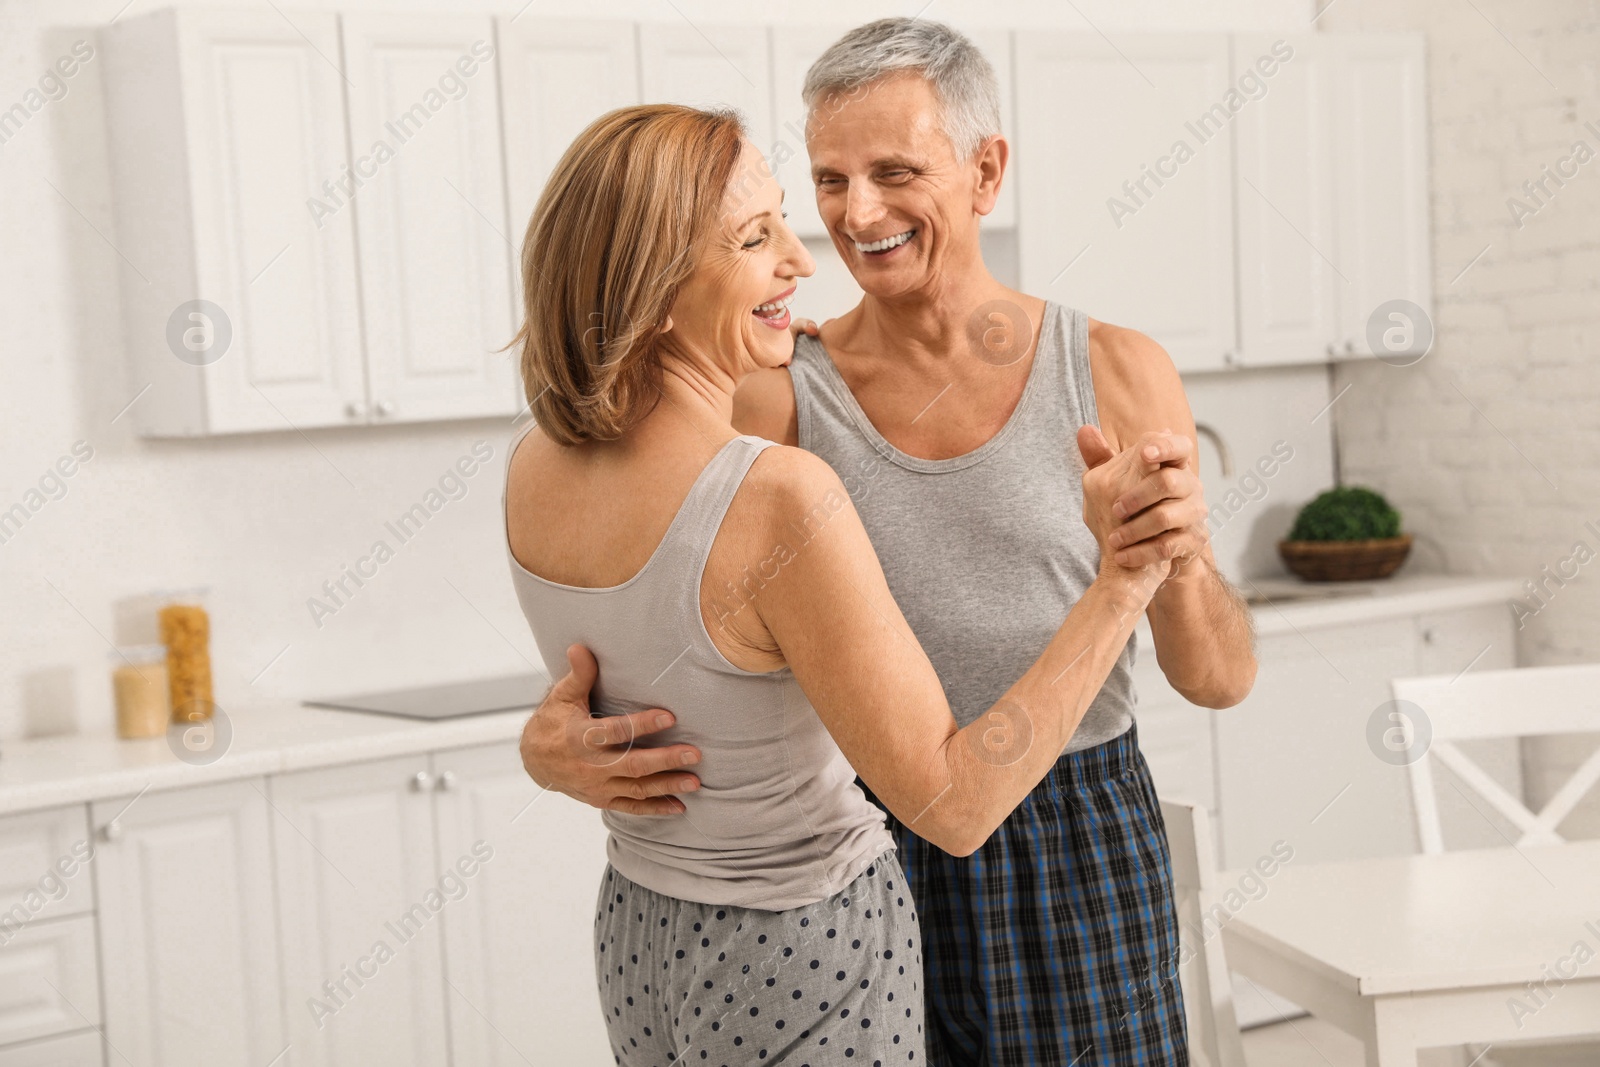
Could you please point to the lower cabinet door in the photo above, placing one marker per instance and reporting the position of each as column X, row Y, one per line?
column 73, row 1050
column 520, row 981
column 188, row 941
column 361, row 903
column 1295, row 760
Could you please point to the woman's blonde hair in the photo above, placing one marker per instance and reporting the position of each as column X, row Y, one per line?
column 617, row 231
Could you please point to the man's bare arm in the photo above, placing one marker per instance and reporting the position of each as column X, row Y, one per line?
column 1203, row 630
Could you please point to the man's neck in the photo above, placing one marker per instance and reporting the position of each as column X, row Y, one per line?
column 929, row 325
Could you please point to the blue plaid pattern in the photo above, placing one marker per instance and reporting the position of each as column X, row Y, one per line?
column 1056, row 943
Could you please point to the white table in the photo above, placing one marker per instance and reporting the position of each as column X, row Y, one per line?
column 1421, row 951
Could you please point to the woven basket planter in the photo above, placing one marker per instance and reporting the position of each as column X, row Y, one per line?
column 1345, row 561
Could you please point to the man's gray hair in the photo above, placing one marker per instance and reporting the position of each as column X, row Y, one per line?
column 961, row 77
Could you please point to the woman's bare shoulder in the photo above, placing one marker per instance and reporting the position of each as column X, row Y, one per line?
column 790, row 478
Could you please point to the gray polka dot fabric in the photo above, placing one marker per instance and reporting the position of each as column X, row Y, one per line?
column 834, row 982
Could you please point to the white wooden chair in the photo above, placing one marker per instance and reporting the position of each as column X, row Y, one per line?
column 1202, row 968
column 1515, row 703
column 1520, row 702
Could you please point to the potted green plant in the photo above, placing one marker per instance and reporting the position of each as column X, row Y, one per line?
column 1347, row 533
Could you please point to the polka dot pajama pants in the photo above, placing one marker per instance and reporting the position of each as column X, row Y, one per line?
column 835, row 982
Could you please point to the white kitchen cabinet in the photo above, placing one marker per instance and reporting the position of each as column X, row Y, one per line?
column 708, row 65
column 1333, row 196
column 1381, row 135
column 224, row 127
column 519, row 945
column 435, row 277
column 794, row 49
column 361, row 914
column 1288, row 273
column 1125, row 184
column 42, row 865
column 188, row 927
column 556, row 77
column 72, row 1050
column 48, row 979
column 1293, row 762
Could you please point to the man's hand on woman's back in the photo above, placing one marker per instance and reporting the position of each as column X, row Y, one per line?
column 596, row 760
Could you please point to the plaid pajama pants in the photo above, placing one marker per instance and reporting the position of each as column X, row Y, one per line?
column 1056, row 943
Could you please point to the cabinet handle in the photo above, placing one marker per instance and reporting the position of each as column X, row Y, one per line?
column 421, row 782
column 1231, row 358
column 355, row 410
column 384, row 409
column 1350, row 347
column 1430, row 635
column 1333, row 349
column 447, row 781
column 111, row 831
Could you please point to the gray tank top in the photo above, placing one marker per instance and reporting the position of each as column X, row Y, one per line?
column 778, row 821
column 985, row 552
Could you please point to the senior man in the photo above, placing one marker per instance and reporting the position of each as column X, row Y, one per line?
column 947, row 403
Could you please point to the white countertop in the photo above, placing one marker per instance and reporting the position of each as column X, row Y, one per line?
column 267, row 739
column 1293, row 605
column 276, row 738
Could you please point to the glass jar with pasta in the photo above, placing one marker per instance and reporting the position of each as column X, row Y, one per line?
column 186, row 633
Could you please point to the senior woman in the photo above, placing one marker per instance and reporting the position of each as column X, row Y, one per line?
column 730, row 579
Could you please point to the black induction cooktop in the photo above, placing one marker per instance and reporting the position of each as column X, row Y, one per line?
column 452, row 700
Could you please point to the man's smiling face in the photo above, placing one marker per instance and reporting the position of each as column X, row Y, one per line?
column 901, row 206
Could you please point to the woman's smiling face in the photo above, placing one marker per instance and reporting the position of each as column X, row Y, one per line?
column 733, row 310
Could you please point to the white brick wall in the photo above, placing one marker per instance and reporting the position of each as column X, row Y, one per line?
column 1512, row 387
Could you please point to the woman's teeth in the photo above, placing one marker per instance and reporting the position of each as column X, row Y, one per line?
column 774, row 308
column 887, row 243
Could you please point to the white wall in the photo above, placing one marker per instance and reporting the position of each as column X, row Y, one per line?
column 1489, row 445
column 264, row 520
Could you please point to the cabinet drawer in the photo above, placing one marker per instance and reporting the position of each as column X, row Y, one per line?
column 42, row 876
column 73, row 1050
column 1479, row 639
column 48, row 983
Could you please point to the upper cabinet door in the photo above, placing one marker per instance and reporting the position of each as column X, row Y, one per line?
column 556, row 77
column 361, row 904
column 431, row 215
column 1382, row 167
column 1127, row 184
column 794, row 49
column 710, row 66
column 1288, row 247
column 229, row 151
column 188, row 944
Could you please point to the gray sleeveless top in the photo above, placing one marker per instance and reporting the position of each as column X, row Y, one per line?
column 778, row 821
column 985, row 552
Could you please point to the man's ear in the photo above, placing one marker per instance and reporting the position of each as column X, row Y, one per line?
column 990, row 159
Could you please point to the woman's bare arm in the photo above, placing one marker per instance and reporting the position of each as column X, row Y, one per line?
column 831, row 613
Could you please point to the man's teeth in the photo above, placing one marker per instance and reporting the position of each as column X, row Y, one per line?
column 775, row 307
column 887, row 243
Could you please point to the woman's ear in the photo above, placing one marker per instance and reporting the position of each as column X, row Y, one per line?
column 666, row 324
